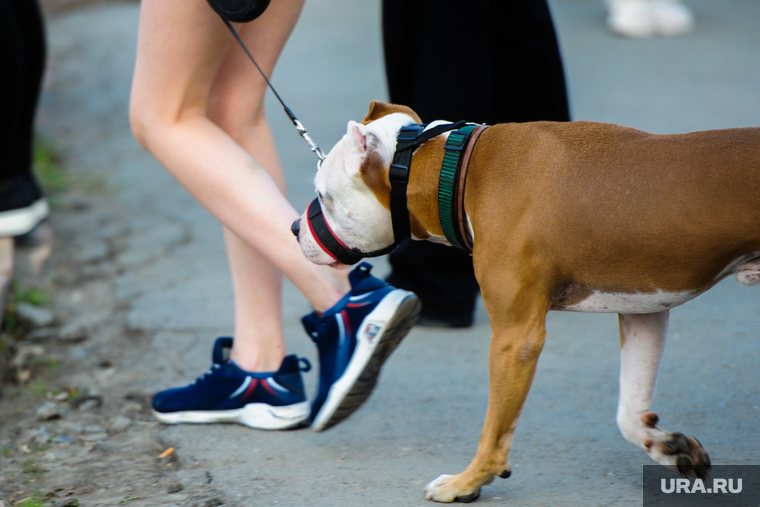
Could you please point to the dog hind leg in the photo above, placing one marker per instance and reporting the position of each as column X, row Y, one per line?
column 642, row 340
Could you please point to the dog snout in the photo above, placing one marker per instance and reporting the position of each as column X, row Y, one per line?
column 296, row 227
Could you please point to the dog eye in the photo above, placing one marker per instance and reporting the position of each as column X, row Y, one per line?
column 319, row 195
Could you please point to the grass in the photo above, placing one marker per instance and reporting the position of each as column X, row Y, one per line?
column 36, row 500
column 46, row 163
column 39, row 388
column 35, row 296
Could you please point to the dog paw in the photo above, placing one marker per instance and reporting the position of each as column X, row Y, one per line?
column 684, row 454
column 446, row 489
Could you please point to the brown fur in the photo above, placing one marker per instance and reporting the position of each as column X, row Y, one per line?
column 563, row 209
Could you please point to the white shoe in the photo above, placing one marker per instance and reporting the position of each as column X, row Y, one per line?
column 671, row 17
column 17, row 222
column 647, row 18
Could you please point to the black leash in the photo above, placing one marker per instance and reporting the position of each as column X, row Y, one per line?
column 299, row 126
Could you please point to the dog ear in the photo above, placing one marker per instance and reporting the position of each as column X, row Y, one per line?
column 357, row 134
column 378, row 109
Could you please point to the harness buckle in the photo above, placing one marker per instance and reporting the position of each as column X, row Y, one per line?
column 398, row 174
column 457, row 141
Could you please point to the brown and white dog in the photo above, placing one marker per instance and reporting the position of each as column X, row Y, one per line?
column 581, row 216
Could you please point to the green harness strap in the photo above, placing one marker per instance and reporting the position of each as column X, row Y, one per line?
column 452, row 161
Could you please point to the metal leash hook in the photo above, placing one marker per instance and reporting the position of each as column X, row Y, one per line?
column 299, row 126
column 312, row 145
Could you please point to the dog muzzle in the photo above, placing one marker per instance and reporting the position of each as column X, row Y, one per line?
column 331, row 244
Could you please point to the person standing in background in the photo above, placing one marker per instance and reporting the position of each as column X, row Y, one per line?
column 22, row 46
column 642, row 19
column 485, row 61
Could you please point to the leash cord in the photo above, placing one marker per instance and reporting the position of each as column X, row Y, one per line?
column 299, row 126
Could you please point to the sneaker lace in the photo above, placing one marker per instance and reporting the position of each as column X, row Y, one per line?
column 206, row 373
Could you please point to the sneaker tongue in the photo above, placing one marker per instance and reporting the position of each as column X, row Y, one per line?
column 361, row 280
column 222, row 348
column 359, row 273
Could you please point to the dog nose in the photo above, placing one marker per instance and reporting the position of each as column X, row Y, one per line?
column 296, row 227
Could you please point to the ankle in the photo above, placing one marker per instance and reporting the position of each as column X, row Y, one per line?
column 257, row 363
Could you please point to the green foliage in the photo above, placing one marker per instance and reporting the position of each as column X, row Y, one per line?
column 39, row 388
column 33, row 295
column 46, row 165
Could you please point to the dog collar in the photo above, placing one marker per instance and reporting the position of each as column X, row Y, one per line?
column 410, row 137
column 451, row 183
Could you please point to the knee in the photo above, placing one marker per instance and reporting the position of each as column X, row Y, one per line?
column 237, row 120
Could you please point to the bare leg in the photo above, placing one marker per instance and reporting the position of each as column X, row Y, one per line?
column 185, row 68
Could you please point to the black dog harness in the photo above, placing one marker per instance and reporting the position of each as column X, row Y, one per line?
column 410, row 137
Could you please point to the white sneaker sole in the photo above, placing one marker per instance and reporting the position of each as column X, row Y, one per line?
column 380, row 333
column 20, row 221
column 254, row 415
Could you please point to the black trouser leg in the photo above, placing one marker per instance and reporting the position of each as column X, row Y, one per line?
column 22, row 51
column 486, row 61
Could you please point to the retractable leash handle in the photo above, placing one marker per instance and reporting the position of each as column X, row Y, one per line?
column 298, row 125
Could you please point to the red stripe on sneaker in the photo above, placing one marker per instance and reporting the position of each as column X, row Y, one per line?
column 346, row 322
column 250, row 389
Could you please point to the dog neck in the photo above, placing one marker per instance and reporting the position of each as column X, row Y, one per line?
column 423, row 187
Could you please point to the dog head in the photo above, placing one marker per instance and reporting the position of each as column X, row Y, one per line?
column 353, row 187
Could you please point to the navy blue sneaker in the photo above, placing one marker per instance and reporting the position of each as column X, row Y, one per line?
column 354, row 338
column 225, row 393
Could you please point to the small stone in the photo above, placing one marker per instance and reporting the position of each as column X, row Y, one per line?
column 174, row 488
column 93, row 428
column 89, row 404
column 64, row 396
column 91, row 253
column 78, row 353
column 119, row 423
column 42, row 334
column 131, row 407
column 24, row 353
column 94, row 437
column 76, row 202
column 107, row 446
column 63, row 439
column 42, row 437
column 70, row 502
column 73, row 332
column 34, row 316
column 48, row 411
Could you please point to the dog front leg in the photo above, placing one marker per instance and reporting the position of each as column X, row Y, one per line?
column 514, row 353
column 642, row 340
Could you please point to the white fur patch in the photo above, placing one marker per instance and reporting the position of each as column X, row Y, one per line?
column 634, row 303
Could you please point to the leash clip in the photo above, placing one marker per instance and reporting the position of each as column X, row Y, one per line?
column 312, row 145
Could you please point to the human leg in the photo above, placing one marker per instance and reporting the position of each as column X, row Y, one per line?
column 185, row 111
column 180, row 52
